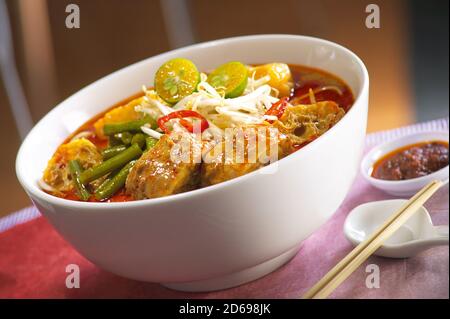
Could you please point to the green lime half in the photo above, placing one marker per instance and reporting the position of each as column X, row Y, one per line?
column 230, row 78
column 176, row 79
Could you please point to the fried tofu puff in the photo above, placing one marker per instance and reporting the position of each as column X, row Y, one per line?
column 304, row 123
column 57, row 173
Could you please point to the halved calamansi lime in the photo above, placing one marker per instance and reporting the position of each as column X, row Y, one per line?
column 176, row 79
column 229, row 78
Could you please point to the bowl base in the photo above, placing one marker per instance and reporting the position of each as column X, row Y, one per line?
column 236, row 278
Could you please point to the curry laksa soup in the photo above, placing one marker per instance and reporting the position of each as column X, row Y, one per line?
column 193, row 129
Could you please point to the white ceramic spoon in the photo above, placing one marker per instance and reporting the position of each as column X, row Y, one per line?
column 416, row 235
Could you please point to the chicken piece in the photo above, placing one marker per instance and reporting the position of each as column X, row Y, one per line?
column 279, row 74
column 240, row 153
column 166, row 170
column 299, row 124
column 221, row 169
column 172, row 166
column 304, row 123
column 57, row 172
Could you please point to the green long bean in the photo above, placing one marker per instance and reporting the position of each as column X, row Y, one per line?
column 112, row 185
column 124, row 137
column 75, row 171
column 107, row 179
column 138, row 139
column 150, row 142
column 120, row 160
column 113, row 141
column 133, row 126
column 112, row 151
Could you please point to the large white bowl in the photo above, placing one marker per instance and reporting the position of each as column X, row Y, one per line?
column 220, row 236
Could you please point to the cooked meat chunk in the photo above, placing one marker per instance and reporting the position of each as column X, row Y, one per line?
column 245, row 155
column 299, row 125
column 161, row 171
column 222, row 168
column 166, row 169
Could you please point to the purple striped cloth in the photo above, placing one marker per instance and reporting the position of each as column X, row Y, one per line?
column 20, row 217
column 30, row 213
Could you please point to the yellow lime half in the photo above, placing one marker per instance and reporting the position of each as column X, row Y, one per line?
column 176, row 79
column 229, row 78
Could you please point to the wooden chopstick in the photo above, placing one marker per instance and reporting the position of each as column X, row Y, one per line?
column 361, row 252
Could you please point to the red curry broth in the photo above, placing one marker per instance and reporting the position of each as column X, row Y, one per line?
column 304, row 79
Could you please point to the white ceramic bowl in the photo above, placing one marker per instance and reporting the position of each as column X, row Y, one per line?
column 408, row 187
column 226, row 234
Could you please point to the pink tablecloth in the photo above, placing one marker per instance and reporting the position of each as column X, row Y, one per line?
column 33, row 258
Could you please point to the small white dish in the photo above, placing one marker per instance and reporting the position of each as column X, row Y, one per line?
column 416, row 235
column 404, row 187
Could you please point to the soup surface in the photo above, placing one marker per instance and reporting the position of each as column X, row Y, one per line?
column 125, row 153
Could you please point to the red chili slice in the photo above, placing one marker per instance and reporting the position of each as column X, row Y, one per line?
column 182, row 114
column 277, row 109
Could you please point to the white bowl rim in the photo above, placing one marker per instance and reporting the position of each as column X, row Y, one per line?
column 368, row 162
column 57, row 201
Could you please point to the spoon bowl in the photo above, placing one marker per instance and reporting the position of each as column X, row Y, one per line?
column 416, row 235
